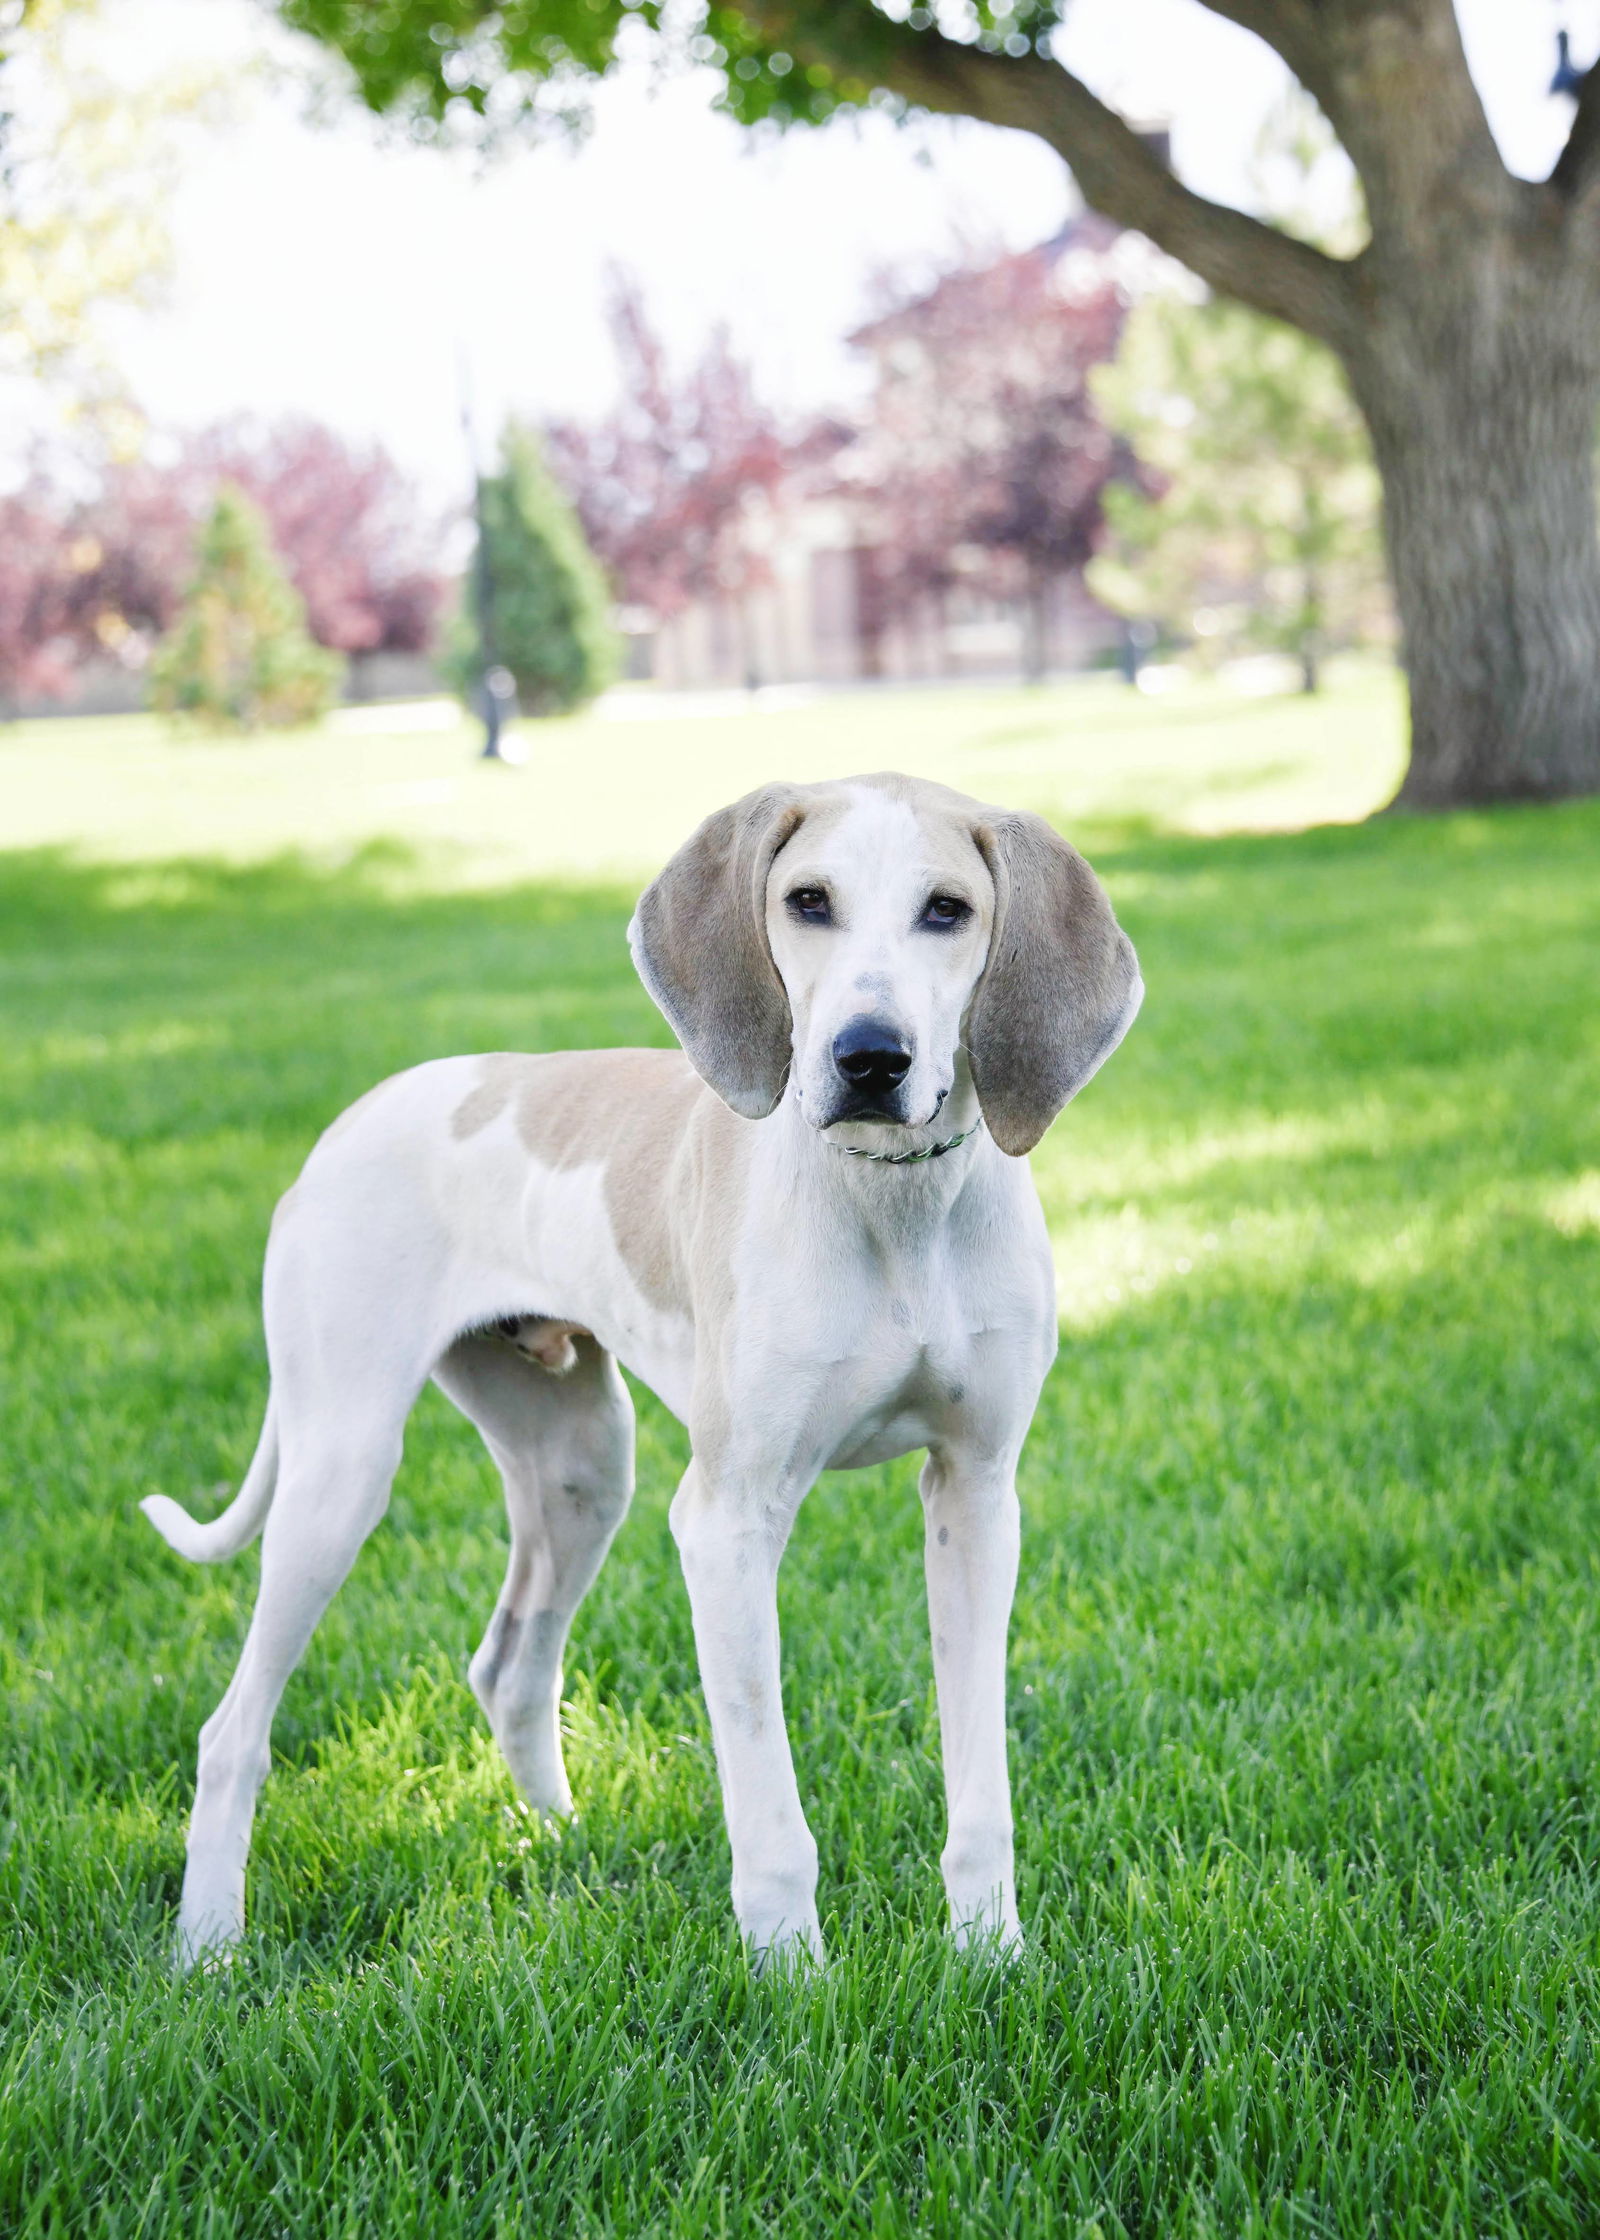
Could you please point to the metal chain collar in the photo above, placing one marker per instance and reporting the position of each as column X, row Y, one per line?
column 908, row 1158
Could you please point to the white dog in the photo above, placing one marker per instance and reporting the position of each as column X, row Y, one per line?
column 813, row 1233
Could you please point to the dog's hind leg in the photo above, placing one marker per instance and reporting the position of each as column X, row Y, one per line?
column 564, row 1445
column 334, row 1475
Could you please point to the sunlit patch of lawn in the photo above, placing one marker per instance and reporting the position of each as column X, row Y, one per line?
column 601, row 795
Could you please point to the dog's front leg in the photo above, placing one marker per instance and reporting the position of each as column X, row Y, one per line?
column 970, row 1554
column 730, row 1546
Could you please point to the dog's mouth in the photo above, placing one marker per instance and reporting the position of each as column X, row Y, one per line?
column 857, row 1110
column 875, row 1112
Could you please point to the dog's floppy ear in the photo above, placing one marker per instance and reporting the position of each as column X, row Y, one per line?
column 1061, row 986
column 699, row 940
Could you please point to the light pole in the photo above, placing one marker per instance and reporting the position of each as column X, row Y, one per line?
column 497, row 692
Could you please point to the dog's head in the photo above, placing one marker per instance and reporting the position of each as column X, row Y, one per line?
column 857, row 937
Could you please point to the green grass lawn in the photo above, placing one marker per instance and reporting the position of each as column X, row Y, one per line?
column 1305, row 1660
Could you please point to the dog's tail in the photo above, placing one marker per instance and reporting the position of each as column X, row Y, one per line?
column 239, row 1523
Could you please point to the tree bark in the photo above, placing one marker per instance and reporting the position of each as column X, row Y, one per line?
column 1480, row 383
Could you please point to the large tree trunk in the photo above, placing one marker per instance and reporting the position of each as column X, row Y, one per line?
column 1482, row 408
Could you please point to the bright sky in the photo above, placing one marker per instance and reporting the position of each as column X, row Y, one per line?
column 321, row 268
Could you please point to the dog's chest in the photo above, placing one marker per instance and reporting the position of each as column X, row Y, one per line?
column 908, row 1384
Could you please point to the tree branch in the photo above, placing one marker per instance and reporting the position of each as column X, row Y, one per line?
column 1376, row 68
column 1123, row 178
column 1395, row 86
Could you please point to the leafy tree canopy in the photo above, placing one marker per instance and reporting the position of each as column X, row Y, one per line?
column 87, row 169
column 667, row 483
column 471, row 65
column 1258, row 521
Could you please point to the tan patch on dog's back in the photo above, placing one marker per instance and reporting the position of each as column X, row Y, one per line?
column 625, row 1110
column 496, row 1086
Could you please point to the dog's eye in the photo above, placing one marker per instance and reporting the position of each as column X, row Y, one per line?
column 811, row 903
column 946, row 910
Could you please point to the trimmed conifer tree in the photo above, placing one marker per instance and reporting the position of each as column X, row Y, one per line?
column 239, row 656
column 540, row 605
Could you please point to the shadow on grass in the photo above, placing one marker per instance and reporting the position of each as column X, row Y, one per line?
column 182, row 996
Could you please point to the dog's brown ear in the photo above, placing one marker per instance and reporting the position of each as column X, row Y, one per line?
column 699, row 940
column 1061, row 986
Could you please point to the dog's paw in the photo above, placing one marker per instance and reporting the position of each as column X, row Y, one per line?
column 988, row 1942
column 206, row 1947
column 787, row 1951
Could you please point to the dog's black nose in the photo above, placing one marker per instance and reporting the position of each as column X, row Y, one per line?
column 871, row 1057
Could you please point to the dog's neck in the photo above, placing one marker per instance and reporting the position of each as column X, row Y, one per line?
column 890, row 1171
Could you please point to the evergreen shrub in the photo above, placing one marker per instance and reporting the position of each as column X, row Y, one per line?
column 539, row 604
column 239, row 656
